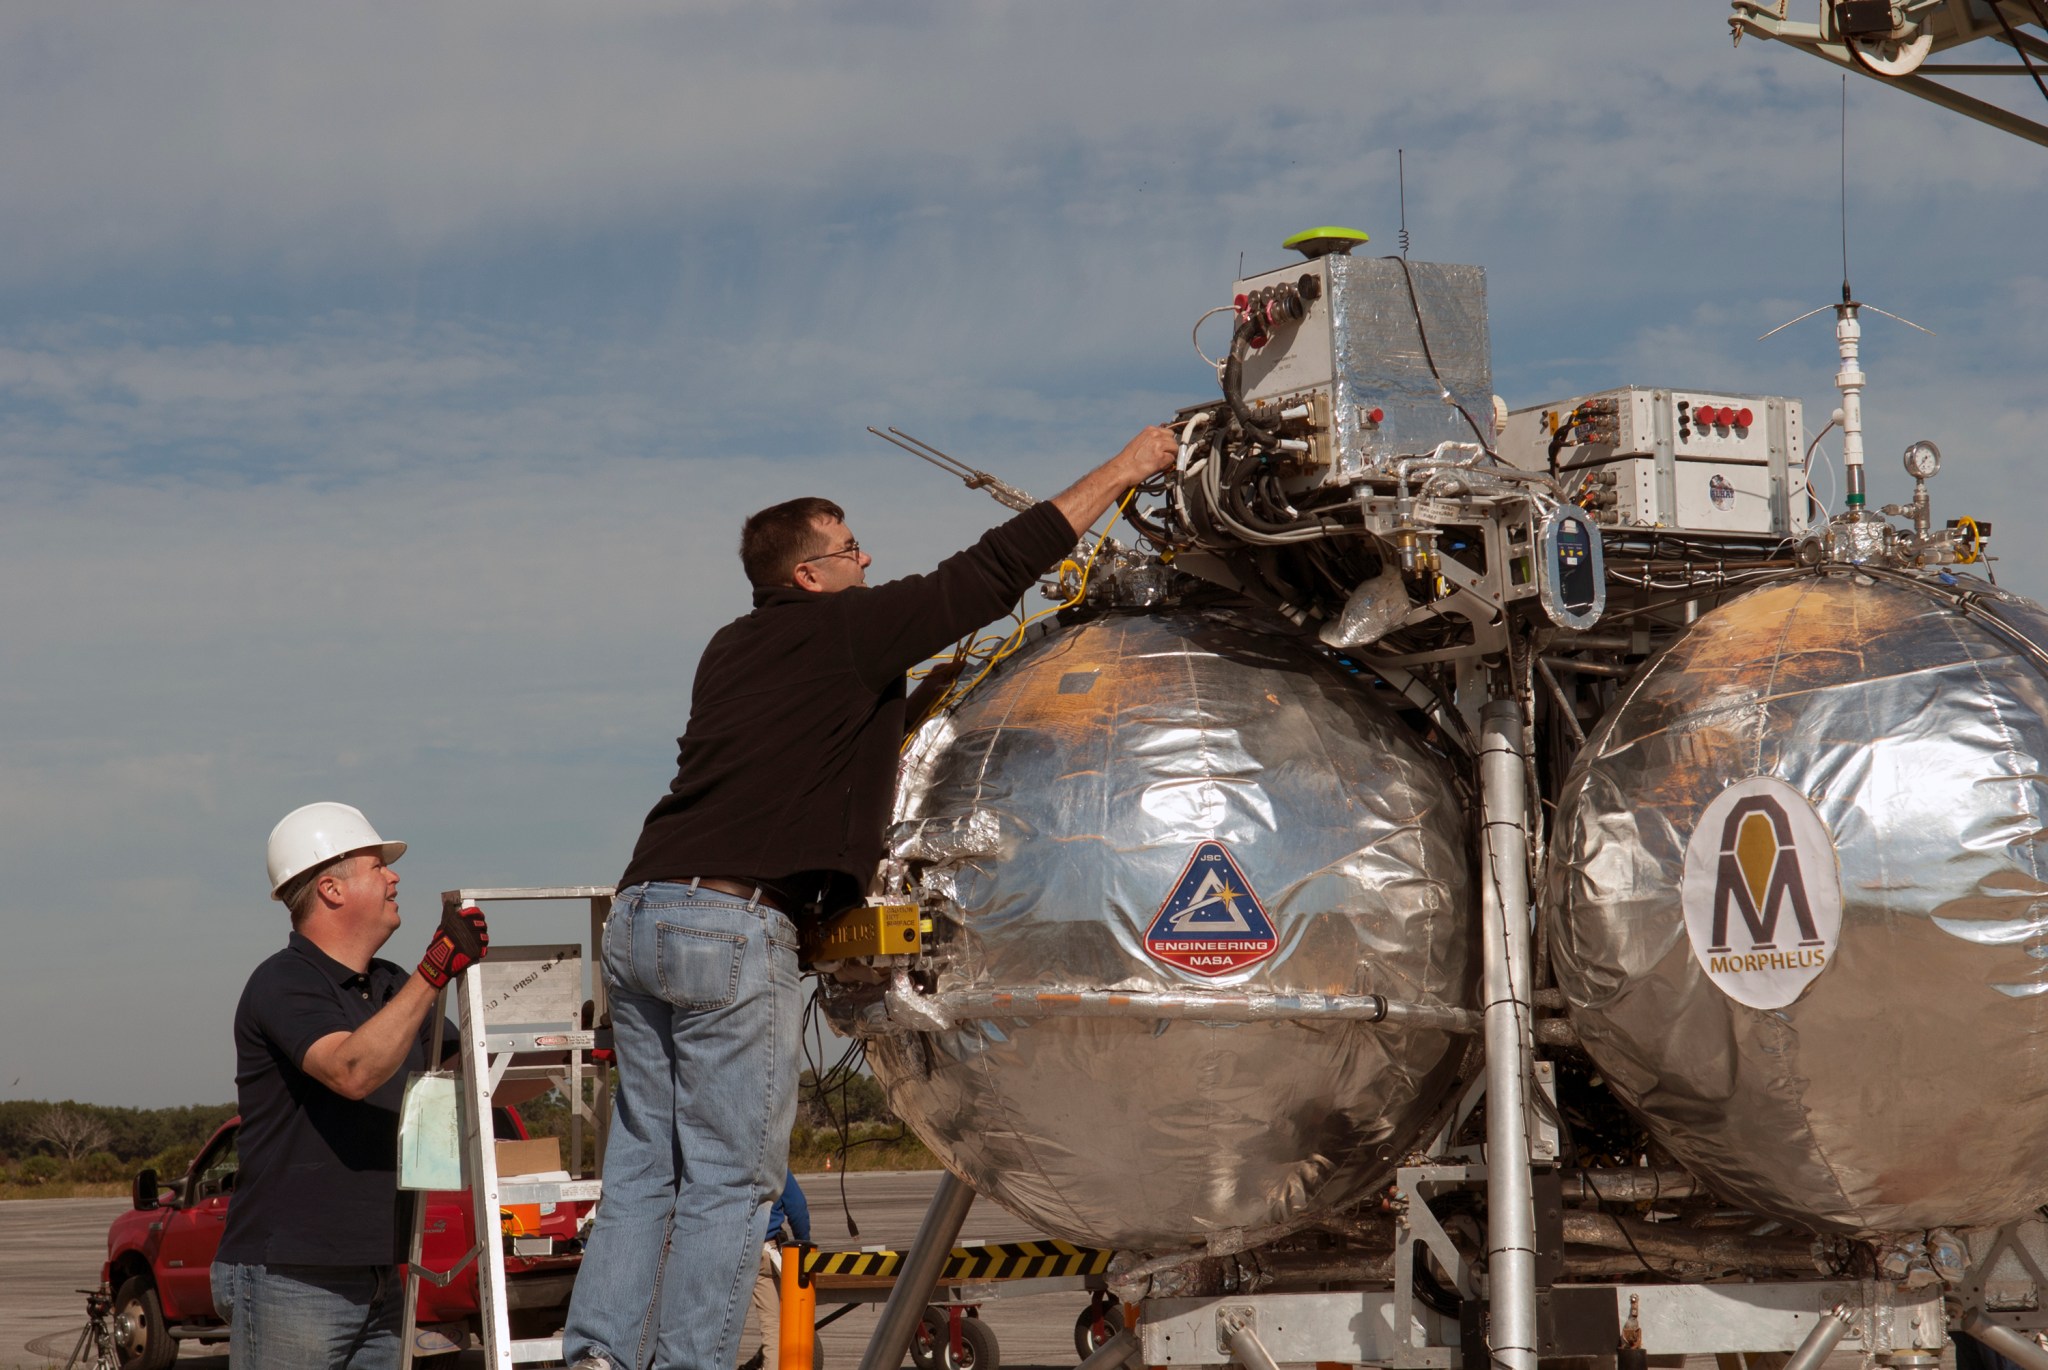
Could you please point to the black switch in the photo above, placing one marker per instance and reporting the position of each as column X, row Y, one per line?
column 1864, row 18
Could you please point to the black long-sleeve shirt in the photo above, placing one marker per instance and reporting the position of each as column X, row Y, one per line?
column 785, row 771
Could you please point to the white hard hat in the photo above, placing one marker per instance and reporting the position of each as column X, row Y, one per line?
column 316, row 834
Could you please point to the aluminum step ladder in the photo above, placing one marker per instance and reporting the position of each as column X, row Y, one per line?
column 518, row 1012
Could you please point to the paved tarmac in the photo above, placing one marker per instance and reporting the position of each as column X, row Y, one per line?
column 52, row 1248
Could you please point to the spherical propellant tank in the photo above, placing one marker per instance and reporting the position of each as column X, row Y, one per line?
column 1182, row 803
column 1799, row 901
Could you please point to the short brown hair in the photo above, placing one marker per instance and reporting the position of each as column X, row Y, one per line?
column 297, row 893
column 773, row 541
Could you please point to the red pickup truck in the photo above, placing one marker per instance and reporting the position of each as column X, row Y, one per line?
column 159, row 1256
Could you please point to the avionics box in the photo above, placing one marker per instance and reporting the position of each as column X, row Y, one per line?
column 1358, row 351
column 1695, row 460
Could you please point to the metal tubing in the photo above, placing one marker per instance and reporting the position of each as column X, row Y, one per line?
column 920, row 1274
column 1832, row 1327
column 2006, row 1342
column 1588, row 666
column 1676, row 1246
column 961, row 1005
column 1606, row 642
column 1504, row 912
column 1631, row 1185
column 1119, row 1351
column 1245, row 1346
column 1566, row 714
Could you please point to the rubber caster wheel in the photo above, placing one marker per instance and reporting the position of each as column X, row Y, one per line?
column 931, row 1345
column 1097, row 1324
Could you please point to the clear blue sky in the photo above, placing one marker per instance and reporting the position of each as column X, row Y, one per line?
column 381, row 385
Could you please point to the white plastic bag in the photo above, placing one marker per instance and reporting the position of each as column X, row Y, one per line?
column 430, row 1133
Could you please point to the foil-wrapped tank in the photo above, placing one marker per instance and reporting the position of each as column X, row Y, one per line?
column 1185, row 804
column 1798, row 905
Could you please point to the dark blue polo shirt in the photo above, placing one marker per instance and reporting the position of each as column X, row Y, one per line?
column 319, row 1173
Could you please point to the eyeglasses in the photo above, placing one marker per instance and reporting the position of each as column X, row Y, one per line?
column 851, row 549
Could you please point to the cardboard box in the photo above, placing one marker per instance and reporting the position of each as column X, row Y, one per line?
column 535, row 1156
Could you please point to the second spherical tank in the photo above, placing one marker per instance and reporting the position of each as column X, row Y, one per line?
column 1799, row 902
column 1181, row 803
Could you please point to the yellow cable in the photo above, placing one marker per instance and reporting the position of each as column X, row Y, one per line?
column 1016, row 637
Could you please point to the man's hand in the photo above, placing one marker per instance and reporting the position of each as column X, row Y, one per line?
column 1146, row 455
column 1143, row 457
column 461, row 942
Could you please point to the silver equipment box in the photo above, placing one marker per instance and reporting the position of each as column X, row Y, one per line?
column 1358, row 351
column 1693, row 460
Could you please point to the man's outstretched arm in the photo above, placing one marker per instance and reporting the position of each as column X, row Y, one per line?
column 899, row 623
column 1143, row 457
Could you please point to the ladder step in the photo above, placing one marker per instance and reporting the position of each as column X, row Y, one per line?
column 529, row 1039
column 542, row 1348
column 551, row 1192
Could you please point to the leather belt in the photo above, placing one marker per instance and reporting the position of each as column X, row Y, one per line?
column 739, row 889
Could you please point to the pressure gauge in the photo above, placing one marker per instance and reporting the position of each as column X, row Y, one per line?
column 1923, row 459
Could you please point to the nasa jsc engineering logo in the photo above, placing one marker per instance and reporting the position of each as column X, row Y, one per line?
column 1212, row 923
column 1762, row 892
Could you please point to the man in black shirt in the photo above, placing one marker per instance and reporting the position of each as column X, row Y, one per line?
column 783, row 782
column 307, row 1273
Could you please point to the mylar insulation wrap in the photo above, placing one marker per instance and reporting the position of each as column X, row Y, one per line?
column 1798, row 907
column 1137, row 774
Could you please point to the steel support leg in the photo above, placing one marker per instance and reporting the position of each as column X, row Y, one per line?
column 1242, row 1338
column 2021, row 1350
column 1119, row 1351
column 1825, row 1336
column 1504, row 941
column 919, row 1275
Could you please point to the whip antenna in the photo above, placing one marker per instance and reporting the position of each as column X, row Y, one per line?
column 1849, row 378
column 1401, row 180
column 1845, row 186
column 1000, row 490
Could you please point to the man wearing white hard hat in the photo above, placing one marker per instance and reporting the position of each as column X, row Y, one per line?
column 309, row 1271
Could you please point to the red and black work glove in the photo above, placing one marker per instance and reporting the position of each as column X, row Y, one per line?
column 460, row 943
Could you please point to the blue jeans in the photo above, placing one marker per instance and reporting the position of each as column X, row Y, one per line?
column 705, row 1019
column 311, row 1317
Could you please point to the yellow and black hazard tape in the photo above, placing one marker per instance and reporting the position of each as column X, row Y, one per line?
column 992, row 1261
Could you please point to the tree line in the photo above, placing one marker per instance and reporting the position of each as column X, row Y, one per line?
column 845, row 1099
column 43, row 1142
column 70, row 1132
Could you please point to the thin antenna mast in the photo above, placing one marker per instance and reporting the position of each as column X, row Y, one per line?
column 1845, row 185
column 1849, row 378
column 1401, row 179
column 999, row 490
column 1849, row 345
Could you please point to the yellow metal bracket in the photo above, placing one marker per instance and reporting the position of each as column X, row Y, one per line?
column 869, row 930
